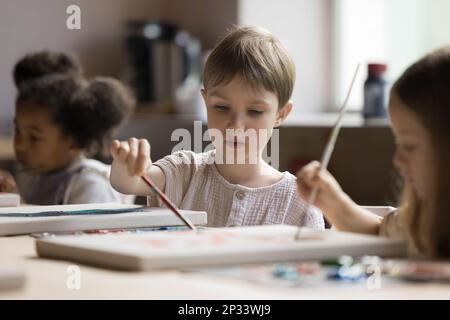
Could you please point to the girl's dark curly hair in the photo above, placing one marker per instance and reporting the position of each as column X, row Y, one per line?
column 43, row 63
column 88, row 111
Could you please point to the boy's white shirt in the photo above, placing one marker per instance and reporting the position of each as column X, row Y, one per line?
column 193, row 183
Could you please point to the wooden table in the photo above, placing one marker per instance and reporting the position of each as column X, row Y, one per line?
column 46, row 279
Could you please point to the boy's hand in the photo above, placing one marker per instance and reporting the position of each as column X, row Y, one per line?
column 134, row 153
column 329, row 196
column 7, row 182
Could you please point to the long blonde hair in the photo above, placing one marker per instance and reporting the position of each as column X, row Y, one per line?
column 425, row 89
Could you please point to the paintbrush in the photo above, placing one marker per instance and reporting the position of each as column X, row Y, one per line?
column 168, row 203
column 330, row 145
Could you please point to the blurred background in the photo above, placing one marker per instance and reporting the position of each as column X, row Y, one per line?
column 159, row 47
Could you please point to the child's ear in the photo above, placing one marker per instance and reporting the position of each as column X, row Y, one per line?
column 283, row 113
column 73, row 145
column 203, row 92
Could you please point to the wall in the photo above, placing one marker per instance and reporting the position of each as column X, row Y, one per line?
column 205, row 19
column 35, row 25
column 30, row 25
column 395, row 32
column 304, row 26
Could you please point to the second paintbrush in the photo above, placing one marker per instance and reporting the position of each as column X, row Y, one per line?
column 330, row 144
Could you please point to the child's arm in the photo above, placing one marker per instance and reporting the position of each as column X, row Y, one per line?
column 340, row 210
column 7, row 182
column 131, row 161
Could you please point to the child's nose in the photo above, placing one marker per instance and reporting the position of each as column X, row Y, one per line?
column 236, row 122
column 399, row 160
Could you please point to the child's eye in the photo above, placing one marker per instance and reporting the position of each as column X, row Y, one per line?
column 35, row 139
column 255, row 113
column 221, row 108
column 409, row 148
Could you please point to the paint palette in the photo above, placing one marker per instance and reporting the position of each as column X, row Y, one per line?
column 208, row 247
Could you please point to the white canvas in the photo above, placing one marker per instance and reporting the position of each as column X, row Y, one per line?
column 150, row 217
column 179, row 249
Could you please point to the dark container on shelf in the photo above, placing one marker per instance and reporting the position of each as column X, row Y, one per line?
column 375, row 92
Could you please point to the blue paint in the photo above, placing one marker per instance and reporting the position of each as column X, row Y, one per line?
column 352, row 273
column 286, row 272
column 69, row 213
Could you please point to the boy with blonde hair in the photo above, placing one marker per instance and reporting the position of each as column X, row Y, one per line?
column 248, row 80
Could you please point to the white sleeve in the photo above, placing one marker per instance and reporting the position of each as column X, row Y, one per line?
column 90, row 187
column 178, row 169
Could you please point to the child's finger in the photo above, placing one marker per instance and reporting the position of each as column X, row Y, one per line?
column 323, row 180
column 328, row 182
column 5, row 174
column 313, row 177
column 115, row 145
column 143, row 157
column 303, row 189
column 123, row 151
column 308, row 171
column 132, row 155
column 312, row 183
column 7, row 184
column 119, row 150
column 312, row 170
